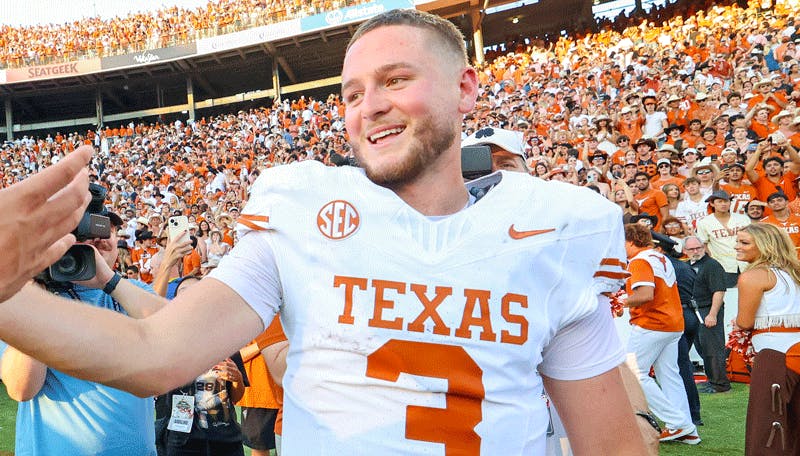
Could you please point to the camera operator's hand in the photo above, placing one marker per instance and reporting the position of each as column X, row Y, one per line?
column 103, row 274
column 38, row 215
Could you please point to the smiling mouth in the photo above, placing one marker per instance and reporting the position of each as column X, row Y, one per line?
column 374, row 139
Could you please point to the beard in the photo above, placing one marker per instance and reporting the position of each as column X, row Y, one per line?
column 425, row 148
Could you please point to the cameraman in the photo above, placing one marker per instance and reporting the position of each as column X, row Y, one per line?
column 36, row 202
column 60, row 414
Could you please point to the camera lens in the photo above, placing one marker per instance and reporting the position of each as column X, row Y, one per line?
column 67, row 265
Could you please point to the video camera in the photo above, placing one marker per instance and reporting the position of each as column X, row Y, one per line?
column 476, row 161
column 78, row 263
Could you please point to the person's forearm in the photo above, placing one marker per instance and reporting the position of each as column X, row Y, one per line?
column 717, row 300
column 137, row 302
column 793, row 155
column 22, row 375
column 237, row 391
column 142, row 356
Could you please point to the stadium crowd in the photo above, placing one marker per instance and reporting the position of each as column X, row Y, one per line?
column 662, row 119
column 169, row 26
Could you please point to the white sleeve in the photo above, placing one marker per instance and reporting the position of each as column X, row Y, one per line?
column 585, row 348
column 250, row 270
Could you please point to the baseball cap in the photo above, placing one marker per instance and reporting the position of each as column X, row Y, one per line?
column 663, row 160
column 690, row 150
column 718, row 194
column 508, row 140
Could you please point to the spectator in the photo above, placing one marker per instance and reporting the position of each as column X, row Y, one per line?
column 708, row 293
column 58, row 413
column 778, row 204
column 718, row 232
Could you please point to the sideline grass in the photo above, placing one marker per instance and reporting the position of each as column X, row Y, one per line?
column 723, row 433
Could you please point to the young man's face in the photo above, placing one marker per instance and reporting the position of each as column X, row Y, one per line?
column 503, row 160
column 721, row 205
column 755, row 212
column 642, row 183
column 403, row 112
column 773, row 168
column 777, row 204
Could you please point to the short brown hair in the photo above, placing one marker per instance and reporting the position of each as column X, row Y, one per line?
column 450, row 36
column 638, row 235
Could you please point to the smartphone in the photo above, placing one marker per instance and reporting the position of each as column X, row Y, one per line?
column 177, row 225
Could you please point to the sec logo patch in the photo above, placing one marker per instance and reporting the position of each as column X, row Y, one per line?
column 338, row 220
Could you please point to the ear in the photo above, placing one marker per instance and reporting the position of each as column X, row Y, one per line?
column 468, row 89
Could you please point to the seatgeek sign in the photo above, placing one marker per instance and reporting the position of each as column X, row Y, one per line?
column 55, row 70
column 351, row 14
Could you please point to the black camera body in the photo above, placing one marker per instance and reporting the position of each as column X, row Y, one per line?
column 476, row 161
column 78, row 263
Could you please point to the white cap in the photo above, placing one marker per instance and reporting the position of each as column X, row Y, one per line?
column 510, row 141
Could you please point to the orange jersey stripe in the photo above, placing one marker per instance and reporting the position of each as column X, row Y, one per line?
column 612, row 262
column 612, row 275
column 254, row 218
column 250, row 224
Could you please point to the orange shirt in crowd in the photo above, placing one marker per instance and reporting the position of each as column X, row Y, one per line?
column 664, row 312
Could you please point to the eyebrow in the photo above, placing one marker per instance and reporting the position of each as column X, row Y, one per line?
column 380, row 70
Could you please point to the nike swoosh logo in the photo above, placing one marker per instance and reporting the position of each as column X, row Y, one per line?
column 524, row 234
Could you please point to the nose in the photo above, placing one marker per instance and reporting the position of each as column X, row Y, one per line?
column 374, row 103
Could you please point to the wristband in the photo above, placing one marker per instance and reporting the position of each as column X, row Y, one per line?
column 112, row 284
column 651, row 420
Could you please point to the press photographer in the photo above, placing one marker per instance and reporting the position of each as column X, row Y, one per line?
column 78, row 263
column 60, row 414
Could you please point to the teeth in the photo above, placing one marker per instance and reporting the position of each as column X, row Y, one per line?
column 384, row 133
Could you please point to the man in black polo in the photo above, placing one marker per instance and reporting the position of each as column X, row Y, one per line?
column 709, row 291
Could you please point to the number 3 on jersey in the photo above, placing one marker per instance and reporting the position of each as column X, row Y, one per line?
column 453, row 425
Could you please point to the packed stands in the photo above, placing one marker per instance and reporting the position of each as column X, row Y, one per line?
column 95, row 37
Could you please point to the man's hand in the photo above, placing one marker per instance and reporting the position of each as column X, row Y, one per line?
column 710, row 321
column 38, row 215
column 177, row 249
column 103, row 272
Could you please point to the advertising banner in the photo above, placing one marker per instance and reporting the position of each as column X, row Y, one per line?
column 249, row 37
column 149, row 56
column 350, row 14
column 55, row 70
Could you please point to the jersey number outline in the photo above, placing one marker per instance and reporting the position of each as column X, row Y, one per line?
column 453, row 425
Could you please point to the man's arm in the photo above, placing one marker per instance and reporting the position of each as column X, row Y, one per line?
column 61, row 332
column 750, row 165
column 49, row 204
column 175, row 251
column 716, row 303
column 587, row 421
column 275, row 359
column 22, row 375
column 641, row 295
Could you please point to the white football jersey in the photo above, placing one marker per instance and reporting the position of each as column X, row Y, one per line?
column 414, row 335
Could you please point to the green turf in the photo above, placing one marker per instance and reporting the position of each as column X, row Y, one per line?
column 8, row 413
column 723, row 433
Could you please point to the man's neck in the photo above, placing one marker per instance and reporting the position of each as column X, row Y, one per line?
column 781, row 215
column 433, row 194
column 722, row 216
column 696, row 197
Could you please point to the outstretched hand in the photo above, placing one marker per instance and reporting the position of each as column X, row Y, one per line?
column 38, row 215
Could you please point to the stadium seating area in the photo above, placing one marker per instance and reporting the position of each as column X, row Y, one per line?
column 572, row 93
column 95, row 37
